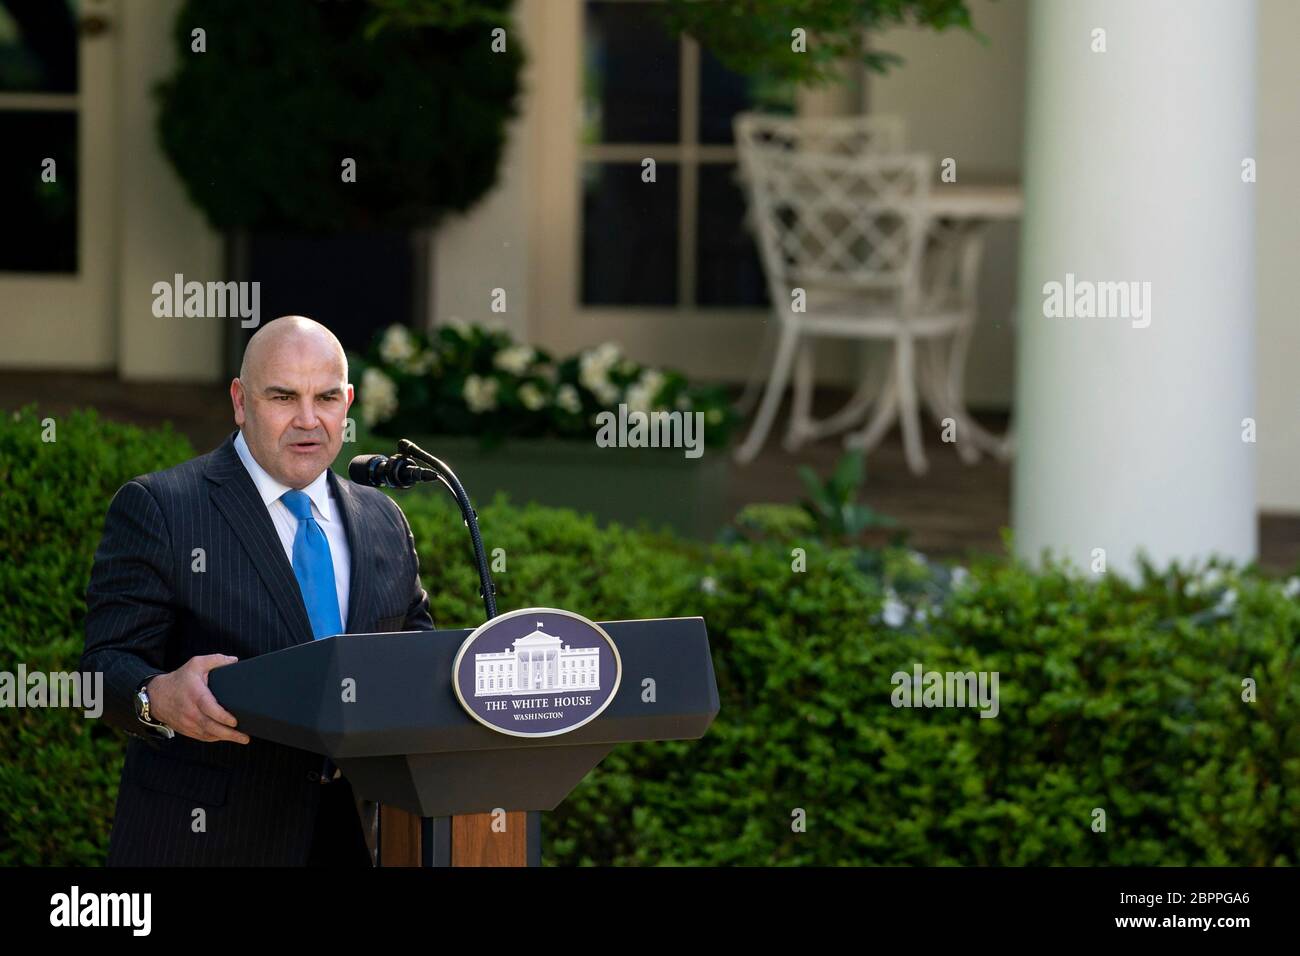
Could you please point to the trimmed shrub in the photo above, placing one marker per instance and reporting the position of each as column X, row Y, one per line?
column 58, row 770
column 1113, row 696
column 1126, row 698
column 258, row 126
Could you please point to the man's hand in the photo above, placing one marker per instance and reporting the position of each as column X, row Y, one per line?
column 182, row 701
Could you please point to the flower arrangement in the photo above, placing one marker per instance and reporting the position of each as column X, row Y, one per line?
column 467, row 379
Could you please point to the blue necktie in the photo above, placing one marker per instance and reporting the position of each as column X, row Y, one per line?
column 314, row 568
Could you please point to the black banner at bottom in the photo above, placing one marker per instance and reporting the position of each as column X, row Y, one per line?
column 327, row 906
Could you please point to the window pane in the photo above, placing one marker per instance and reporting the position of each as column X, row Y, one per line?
column 40, row 218
column 631, row 75
column 727, row 269
column 629, row 235
column 723, row 94
column 38, row 46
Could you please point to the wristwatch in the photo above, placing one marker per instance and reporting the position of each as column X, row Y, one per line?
column 142, row 710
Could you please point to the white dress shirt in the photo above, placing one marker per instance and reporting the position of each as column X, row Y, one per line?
column 323, row 508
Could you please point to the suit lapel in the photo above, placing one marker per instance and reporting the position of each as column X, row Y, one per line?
column 236, row 497
column 359, row 612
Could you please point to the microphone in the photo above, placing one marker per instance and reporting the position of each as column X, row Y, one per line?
column 402, row 472
column 380, row 471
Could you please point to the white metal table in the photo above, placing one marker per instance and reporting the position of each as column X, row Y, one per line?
column 959, row 218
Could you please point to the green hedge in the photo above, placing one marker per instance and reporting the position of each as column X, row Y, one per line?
column 1122, row 697
column 58, row 770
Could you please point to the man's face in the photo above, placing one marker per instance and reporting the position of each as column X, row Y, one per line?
column 293, row 407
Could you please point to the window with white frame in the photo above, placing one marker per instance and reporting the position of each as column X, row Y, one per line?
column 679, row 240
column 40, row 85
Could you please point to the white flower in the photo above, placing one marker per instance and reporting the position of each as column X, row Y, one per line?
column 593, row 371
column 1227, row 601
column 397, row 346
column 1292, row 588
column 1207, row 581
column 423, row 363
column 606, row 354
column 708, row 586
column 480, row 393
column 959, row 577
column 531, row 396
column 514, row 360
column 567, row 398
column 459, row 325
column 921, row 615
column 894, row 612
column 378, row 397
column 642, row 393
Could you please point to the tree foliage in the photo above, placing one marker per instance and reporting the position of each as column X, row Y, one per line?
column 758, row 37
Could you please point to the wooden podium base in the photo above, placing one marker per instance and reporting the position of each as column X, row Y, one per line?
column 466, row 840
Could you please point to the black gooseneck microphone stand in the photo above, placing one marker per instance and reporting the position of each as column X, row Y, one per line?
column 435, row 832
column 487, row 590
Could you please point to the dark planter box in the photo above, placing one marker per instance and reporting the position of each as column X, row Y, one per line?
column 626, row 485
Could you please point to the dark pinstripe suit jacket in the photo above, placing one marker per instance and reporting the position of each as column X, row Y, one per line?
column 149, row 611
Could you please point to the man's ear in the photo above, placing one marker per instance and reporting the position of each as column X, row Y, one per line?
column 237, row 399
column 351, row 393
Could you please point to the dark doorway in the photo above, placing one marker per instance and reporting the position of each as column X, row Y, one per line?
column 356, row 285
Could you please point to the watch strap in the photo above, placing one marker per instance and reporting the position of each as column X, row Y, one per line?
column 152, row 722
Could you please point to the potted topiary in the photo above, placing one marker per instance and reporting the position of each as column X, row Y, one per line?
column 323, row 139
column 510, row 417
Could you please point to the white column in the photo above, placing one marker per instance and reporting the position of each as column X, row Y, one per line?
column 1130, row 438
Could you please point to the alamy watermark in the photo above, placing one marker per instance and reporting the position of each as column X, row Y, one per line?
column 1083, row 299
column 660, row 429
column 923, row 688
column 79, row 691
column 74, row 908
column 208, row 300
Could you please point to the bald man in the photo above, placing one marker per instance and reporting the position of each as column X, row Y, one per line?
column 251, row 548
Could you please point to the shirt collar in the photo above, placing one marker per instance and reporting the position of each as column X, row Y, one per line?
column 271, row 490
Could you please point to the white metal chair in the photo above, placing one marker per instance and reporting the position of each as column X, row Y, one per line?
column 834, row 135
column 855, row 135
column 841, row 238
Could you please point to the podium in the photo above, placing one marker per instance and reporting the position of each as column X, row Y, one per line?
column 383, row 707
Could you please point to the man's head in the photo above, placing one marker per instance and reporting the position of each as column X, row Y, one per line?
column 291, row 398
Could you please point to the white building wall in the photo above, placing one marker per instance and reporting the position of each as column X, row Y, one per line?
column 1278, row 244
column 960, row 97
column 162, row 232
